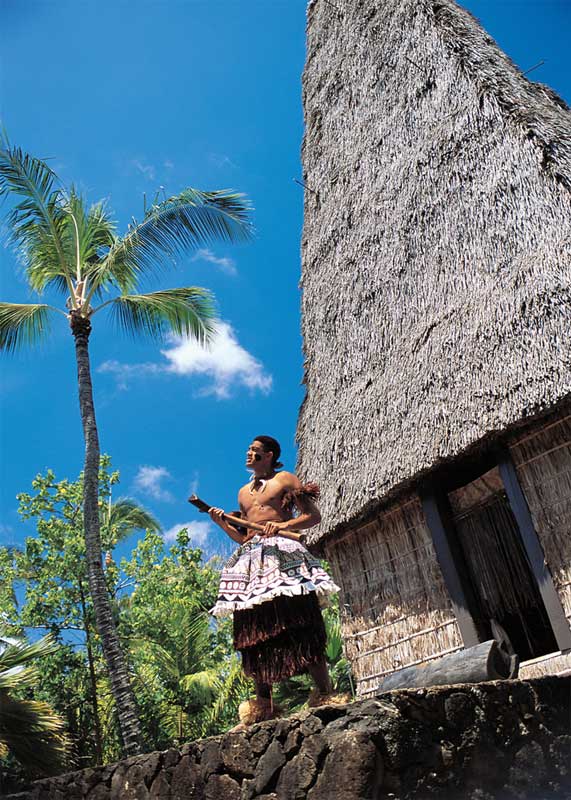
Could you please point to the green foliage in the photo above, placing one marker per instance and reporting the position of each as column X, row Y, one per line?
column 161, row 575
column 51, row 573
column 183, row 663
column 22, row 324
column 186, row 678
column 186, row 312
column 53, row 563
column 8, row 600
column 339, row 666
column 76, row 249
column 37, row 221
column 180, row 223
column 29, row 730
column 183, row 667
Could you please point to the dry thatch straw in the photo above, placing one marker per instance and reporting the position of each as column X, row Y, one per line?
column 395, row 608
column 436, row 247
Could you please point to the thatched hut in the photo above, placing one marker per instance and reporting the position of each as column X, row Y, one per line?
column 437, row 331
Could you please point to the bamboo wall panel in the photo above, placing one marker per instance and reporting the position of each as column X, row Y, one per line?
column 395, row 608
column 557, row 664
column 543, row 463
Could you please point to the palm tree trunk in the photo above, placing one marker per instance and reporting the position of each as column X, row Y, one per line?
column 126, row 705
column 92, row 679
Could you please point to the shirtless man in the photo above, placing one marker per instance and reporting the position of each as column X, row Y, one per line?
column 271, row 583
column 260, row 500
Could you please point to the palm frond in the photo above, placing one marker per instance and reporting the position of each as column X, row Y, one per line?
column 334, row 649
column 165, row 661
column 29, row 730
column 341, row 676
column 37, row 221
column 176, row 722
column 90, row 235
column 233, row 688
column 34, row 735
column 187, row 311
column 125, row 516
column 291, row 694
column 179, row 224
column 18, row 678
column 96, row 228
column 22, row 324
column 199, row 688
column 196, row 639
column 20, row 653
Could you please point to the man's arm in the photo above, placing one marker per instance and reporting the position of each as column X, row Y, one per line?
column 217, row 516
column 309, row 514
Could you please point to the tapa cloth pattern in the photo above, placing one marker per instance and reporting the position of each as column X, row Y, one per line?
column 265, row 568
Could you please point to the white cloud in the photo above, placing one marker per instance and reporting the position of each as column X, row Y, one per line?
column 198, row 532
column 168, row 164
column 220, row 160
column 124, row 372
column 6, row 530
column 148, row 479
column 225, row 363
column 227, row 265
column 148, row 170
column 193, row 488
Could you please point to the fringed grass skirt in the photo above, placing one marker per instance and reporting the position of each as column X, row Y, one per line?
column 273, row 586
column 280, row 638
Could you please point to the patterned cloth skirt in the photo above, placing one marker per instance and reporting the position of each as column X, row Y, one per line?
column 274, row 586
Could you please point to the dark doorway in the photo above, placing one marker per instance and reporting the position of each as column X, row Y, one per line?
column 504, row 588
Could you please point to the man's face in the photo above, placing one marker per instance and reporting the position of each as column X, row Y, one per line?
column 257, row 456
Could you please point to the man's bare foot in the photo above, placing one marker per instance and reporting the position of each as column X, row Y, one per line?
column 317, row 698
column 256, row 709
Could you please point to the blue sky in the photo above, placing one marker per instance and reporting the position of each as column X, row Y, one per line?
column 125, row 97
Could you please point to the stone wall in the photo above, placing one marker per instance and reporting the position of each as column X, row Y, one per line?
column 491, row 741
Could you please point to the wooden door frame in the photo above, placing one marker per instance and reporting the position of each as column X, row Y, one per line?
column 451, row 559
column 534, row 551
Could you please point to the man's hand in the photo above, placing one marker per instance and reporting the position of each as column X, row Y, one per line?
column 217, row 516
column 272, row 529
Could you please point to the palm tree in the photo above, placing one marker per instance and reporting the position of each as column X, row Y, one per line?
column 117, row 520
column 74, row 249
column 123, row 517
column 200, row 690
column 29, row 730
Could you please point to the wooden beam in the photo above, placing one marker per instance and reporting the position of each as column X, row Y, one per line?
column 534, row 551
column 449, row 558
column 483, row 662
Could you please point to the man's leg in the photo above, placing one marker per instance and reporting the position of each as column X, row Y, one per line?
column 263, row 691
column 258, row 708
column 320, row 675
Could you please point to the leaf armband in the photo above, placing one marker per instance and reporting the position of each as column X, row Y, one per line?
column 295, row 497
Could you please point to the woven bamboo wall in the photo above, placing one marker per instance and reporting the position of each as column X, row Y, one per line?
column 555, row 664
column 543, row 462
column 395, row 607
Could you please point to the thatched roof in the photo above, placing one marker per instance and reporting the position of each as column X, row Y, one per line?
column 436, row 246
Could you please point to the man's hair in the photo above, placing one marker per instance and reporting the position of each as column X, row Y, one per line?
column 271, row 445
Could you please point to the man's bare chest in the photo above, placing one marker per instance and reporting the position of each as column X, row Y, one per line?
column 256, row 496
